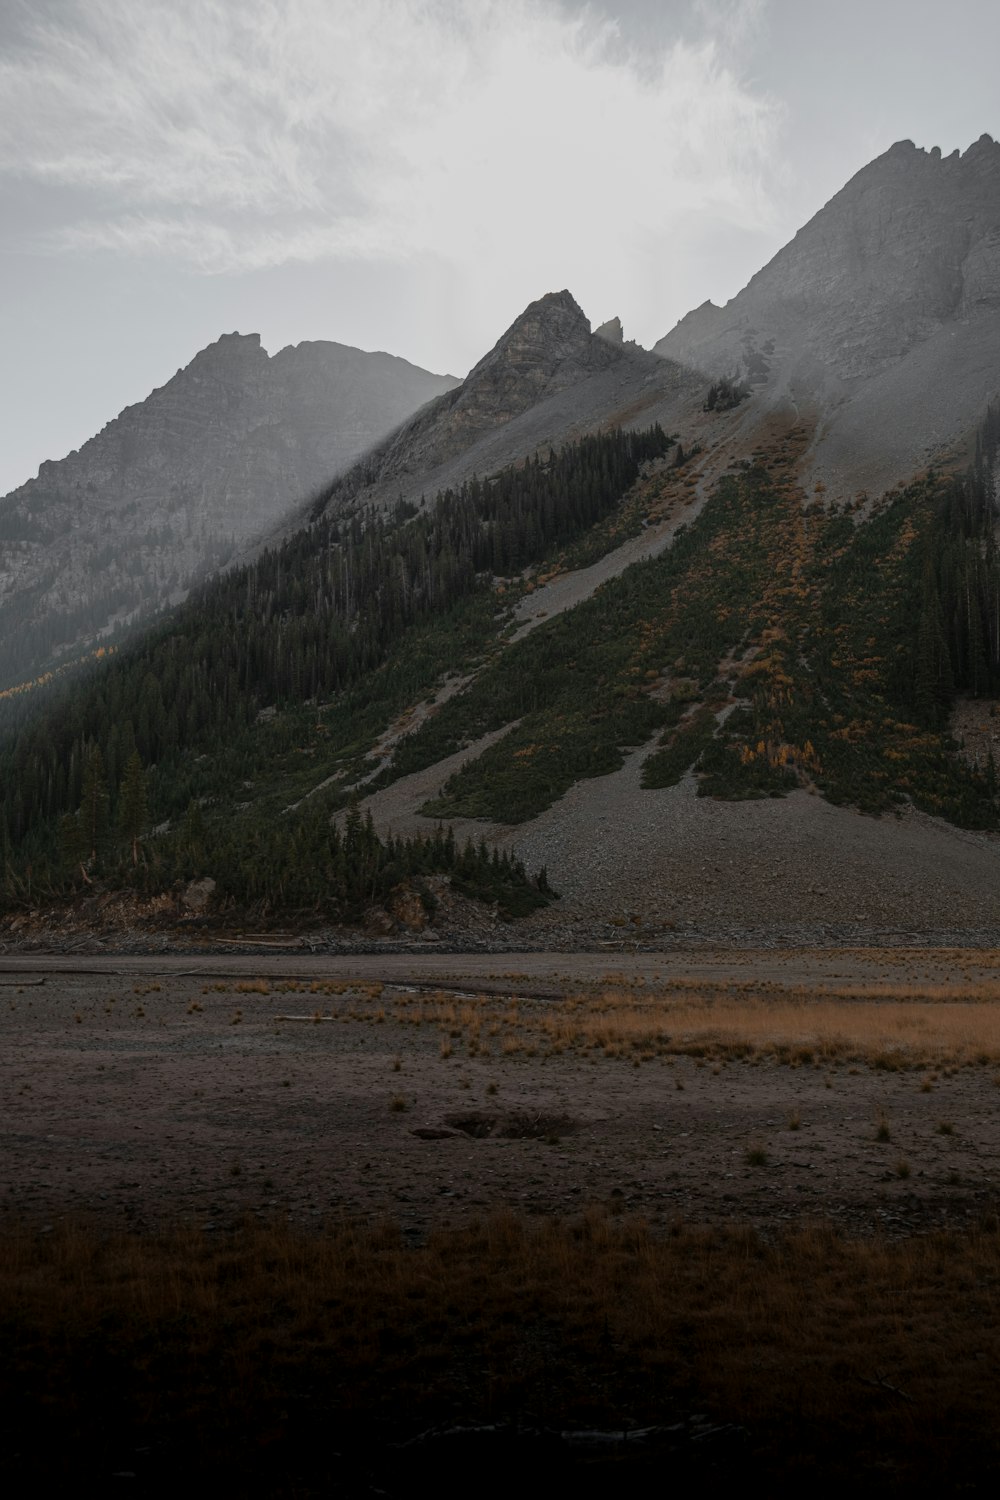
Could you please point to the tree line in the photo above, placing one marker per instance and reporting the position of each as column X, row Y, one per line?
column 957, row 641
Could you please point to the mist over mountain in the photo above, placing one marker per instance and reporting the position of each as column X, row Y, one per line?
column 174, row 483
column 883, row 314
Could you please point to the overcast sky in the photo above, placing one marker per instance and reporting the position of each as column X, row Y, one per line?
column 409, row 174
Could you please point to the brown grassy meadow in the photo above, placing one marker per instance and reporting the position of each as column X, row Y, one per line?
column 273, row 1361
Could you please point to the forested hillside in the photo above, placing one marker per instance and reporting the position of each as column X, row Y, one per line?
column 282, row 667
column 176, row 484
column 780, row 642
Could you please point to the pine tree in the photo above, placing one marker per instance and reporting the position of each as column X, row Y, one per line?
column 192, row 837
column 132, row 805
column 94, row 803
column 71, row 842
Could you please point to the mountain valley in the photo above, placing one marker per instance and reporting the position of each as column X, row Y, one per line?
column 499, row 899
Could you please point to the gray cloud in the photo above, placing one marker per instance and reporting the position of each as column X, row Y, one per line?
column 241, row 135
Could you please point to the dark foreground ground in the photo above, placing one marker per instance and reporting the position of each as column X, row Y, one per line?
column 360, row 1227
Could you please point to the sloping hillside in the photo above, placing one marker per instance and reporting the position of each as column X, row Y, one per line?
column 796, row 690
column 777, row 651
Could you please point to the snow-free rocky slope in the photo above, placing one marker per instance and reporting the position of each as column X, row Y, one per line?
column 882, row 316
column 877, row 330
column 205, row 463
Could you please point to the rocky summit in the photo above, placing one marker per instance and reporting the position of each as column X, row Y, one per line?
column 548, row 348
column 547, row 377
column 170, row 486
column 910, row 243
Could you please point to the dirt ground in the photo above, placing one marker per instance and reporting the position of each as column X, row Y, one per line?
column 202, row 1091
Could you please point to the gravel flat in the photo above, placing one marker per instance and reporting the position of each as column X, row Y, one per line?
column 136, row 1101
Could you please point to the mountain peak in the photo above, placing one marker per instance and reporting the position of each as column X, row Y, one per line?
column 906, row 157
column 547, row 351
column 221, row 451
column 563, row 301
column 612, row 331
column 553, row 332
column 909, row 244
column 984, row 146
column 554, row 305
column 232, row 357
column 229, row 344
column 882, row 315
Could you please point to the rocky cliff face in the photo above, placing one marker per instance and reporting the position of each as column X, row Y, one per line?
column 209, row 460
column 612, row 331
column 884, row 310
column 911, row 242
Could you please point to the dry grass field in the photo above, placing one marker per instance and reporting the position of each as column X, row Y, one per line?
column 305, row 1234
column 883, row 1026
column 271, row 1361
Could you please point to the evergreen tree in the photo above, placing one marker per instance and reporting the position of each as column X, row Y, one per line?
column 94, row 806
column 192, row 837
column 132, row 805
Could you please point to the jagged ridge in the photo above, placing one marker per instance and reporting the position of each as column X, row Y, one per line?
column 913, row 240
column 547, row 378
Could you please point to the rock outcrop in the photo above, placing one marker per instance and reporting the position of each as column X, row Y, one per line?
column 612, row 330
column 547, row 349
column 173, row 484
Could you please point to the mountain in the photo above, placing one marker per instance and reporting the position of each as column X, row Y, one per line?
column 594, row 606
column 881, row 317
column 547, row 378
column 174, row 483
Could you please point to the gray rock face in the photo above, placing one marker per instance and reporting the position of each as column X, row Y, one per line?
column 911, row 242
column 209, row 460
column 612, row 330
column 882, row 317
